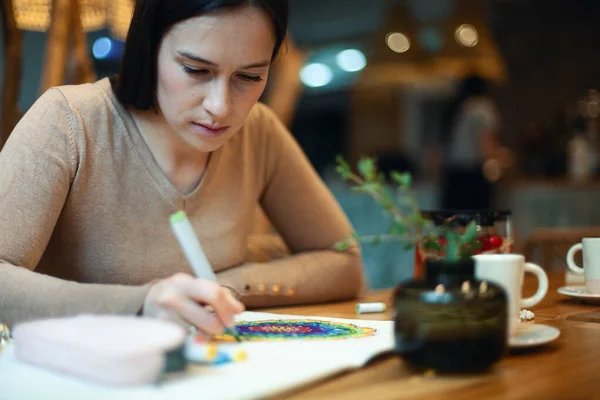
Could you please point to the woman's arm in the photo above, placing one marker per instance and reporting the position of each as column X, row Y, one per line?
column 310, row 221
column 37, row 168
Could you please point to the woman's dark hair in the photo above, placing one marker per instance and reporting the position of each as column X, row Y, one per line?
column 136, row 83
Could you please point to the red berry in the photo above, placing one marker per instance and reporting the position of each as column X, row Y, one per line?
column 491, row 243
column 442, row 241
column 485, row 242
column 495, row 242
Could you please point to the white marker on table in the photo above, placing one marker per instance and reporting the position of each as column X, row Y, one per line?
column 362, row 308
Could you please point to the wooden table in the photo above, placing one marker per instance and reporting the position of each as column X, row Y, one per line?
column 564, row 369
column 557, row 306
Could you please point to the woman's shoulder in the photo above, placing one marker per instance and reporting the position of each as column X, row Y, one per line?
column 82, row 98
column 88, row 115
column 64, row 107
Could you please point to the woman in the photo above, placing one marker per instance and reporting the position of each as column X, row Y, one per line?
column 92, row 173
column 471, row 127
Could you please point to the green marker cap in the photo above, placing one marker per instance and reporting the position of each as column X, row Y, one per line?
column 179, row 216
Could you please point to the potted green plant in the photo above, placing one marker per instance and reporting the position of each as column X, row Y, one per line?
column 446, row 320
column 408, row 224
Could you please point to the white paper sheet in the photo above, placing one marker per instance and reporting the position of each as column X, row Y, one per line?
column 272, row 367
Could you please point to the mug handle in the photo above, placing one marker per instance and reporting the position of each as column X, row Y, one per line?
column 542, row 285
column 571, row 259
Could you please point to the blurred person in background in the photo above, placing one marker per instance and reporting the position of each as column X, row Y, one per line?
column 470, row 129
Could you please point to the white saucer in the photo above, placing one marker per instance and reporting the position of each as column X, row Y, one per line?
column 579, row 292
column 531, row 335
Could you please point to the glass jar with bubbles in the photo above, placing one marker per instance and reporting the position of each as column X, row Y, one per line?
column 449, row 321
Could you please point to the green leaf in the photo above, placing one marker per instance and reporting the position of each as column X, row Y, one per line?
column 452, row 251
column 343, row 168
column 431, row 244
column 388, row 199
column 408, row 246
column 376, row 240
column 402, row 179
column 398, row 228
column 342, row 162
column 429, row 228
column 417, row 219
column 453, row 245
column 342, row 245
column 367, row 168
column 367, row 188
column 344, row 174
column 452, row 236
column 403, row 199
column 470, row 233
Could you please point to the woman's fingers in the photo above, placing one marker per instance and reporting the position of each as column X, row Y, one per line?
column 193, row 313
column 219, row 298
column 200, row 302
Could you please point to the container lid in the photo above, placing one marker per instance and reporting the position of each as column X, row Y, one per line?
column 435, row 267
column 464, row 217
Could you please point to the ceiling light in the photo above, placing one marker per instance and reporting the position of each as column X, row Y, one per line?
column 351, row 60
column 316, row 75
column 467, row 35
column 102, row 48
column 398, row 42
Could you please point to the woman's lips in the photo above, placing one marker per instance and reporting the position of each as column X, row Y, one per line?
column 209, row 131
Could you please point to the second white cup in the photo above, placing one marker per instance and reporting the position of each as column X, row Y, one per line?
column 591, row 263
column 507, row 270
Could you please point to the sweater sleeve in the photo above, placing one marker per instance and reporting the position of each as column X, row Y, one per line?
column 310, row 221
column 37, row 167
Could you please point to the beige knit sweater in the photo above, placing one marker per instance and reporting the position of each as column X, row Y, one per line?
column 84, row 213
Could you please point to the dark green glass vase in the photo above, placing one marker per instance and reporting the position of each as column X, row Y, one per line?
column 450, row 321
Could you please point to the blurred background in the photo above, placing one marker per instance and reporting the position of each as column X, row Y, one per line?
column 406, row 81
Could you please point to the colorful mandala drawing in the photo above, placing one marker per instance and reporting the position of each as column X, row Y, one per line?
column 284, row 329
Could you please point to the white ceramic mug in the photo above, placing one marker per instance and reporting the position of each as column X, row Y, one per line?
column 507, row 270
column 591, row 263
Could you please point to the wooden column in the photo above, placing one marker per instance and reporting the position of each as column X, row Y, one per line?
column 66, row 42
column 84, row 70
column 57, row 44
column 12, row 39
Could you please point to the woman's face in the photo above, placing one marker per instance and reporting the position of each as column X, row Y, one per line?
column 212, row 69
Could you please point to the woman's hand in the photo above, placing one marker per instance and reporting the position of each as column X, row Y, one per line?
column 185, row 299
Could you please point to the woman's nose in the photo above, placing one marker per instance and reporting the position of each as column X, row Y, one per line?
column 218, row 100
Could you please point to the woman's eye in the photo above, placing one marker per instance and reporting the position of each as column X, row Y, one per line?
column 251, row 78
column 194, row 71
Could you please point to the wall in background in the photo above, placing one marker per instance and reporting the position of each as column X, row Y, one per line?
column 551, row 51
